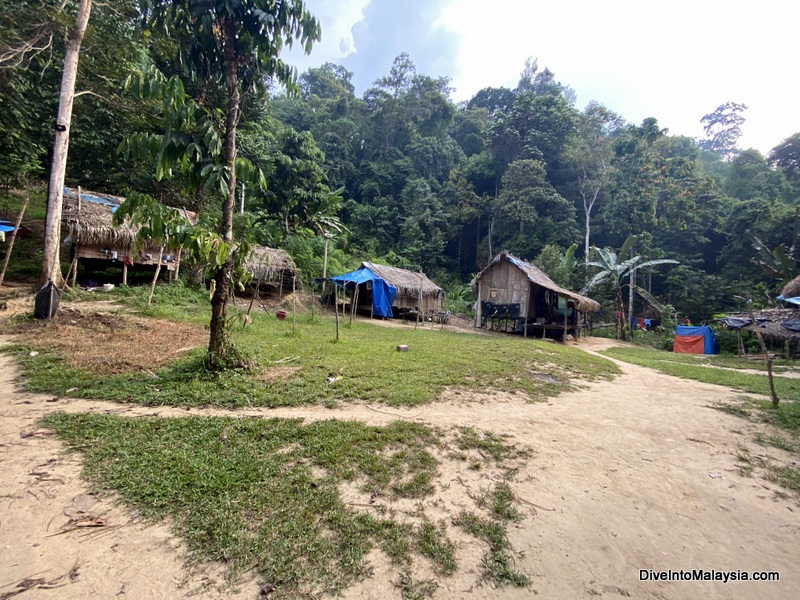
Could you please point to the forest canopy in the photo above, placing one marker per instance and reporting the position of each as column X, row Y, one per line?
column 402, row 174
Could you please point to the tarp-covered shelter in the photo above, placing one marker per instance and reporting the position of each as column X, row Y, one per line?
column 272, row 268
column 373, row 290
column 695, row 340
column 399, row 292
column 516, row 296
column 86, row 225
column 780, row 327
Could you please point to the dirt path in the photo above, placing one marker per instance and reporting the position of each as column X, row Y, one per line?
column 637, row 473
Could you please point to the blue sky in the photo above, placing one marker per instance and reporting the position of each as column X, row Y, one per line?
column 675, row 61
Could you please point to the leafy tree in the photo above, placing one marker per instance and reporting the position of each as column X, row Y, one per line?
column 531, row 212
column 786, row 155
column 232, row 45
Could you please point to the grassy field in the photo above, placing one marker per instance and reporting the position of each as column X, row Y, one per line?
column 727, row 361
column 310, row 367
column 684, row 366
column 264, row 495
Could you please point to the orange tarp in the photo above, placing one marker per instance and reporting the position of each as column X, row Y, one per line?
column 689, row 344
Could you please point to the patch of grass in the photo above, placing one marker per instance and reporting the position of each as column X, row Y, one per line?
column 415, row 590
column 786, row 388
column 788, row 476
column 363, row 366
column 488, row 444
column 433, row 543
column 243, row 490
column 776, row 441
column 502, row 506
column 497, row 562
column 177, row 301
column 727, row 361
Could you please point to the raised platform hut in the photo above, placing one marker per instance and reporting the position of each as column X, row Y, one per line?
column 515, row 296
column 273, row 269
column 86, row 225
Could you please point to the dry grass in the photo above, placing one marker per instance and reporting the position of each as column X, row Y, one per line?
column 108, row 343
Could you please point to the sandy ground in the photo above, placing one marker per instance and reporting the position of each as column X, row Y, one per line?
column 636, row 473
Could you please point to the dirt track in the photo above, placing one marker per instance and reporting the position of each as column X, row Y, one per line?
column 637, row 473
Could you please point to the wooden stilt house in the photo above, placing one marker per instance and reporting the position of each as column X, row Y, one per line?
column 86, row 226
column 517, row 297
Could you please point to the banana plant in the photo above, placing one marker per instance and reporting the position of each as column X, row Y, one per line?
column 614, row 268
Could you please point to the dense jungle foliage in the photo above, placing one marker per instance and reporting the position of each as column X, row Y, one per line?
column 425, row 183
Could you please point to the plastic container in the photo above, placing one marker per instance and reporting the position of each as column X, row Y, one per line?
column 281, row 315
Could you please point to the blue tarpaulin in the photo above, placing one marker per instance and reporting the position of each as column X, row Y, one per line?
column 382, row 293
column 688, row 331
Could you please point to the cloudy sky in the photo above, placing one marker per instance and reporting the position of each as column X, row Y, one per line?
column 675, row 61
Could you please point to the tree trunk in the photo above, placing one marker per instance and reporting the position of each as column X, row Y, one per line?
column 219, row 301
column 155, row 276
column 51, row 265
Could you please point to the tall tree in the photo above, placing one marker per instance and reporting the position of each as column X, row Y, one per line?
column 51, row 266
column 592, row 153
column 233, row 44
column 723, row 127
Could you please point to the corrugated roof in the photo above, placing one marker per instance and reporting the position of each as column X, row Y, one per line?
column 537, row 276
column 408, row 283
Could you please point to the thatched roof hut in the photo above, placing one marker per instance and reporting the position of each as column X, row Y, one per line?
column 87, row 225
column 88, row 220
column 792, row 289
column 270, row 264
column 408, row 283
column 777, row 325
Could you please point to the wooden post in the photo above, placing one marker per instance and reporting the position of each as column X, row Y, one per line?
column 478, row 307
column 125, row 270
column 336, row 308
column 75, row 272
column 79, row 200
column 155, row 277
column 13, row 239
column 566, row 312
column 253, row 297
column 294, row 302
column 767, row 360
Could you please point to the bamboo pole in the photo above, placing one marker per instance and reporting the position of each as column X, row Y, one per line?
column 13, row 239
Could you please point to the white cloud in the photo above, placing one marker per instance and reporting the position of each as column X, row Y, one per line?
column 337, row 19
column 674, row 61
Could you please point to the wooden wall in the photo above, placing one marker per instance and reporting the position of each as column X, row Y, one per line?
column 430, row 303
column 512, row 285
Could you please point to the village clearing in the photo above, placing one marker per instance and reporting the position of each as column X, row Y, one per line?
column 470, row 490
